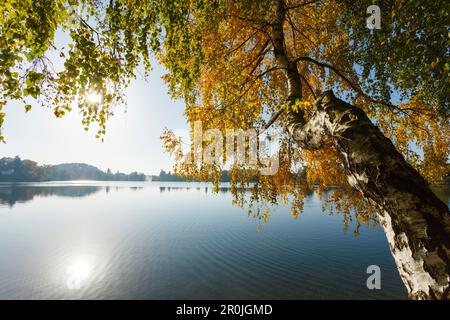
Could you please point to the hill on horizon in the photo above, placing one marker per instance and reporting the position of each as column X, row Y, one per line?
column 18, row 170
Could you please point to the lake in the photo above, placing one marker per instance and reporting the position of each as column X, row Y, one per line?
column 157, row 240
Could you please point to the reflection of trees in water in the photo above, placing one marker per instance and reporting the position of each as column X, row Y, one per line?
column 222, row 189
column 12, row 194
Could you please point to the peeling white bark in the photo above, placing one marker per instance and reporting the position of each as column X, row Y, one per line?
column 412, row 271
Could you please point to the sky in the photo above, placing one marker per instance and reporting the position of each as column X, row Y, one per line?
column 131, row 143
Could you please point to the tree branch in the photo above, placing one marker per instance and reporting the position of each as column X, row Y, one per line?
column 355, row 87
column 309, row 86
column 302, row 4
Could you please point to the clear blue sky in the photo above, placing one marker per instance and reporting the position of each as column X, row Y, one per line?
column 132, row 141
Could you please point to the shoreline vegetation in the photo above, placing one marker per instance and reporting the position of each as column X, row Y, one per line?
column 18, row 170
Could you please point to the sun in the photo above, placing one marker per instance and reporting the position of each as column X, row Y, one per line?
column 94, row 97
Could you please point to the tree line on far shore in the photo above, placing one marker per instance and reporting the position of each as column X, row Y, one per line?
column 18, row 170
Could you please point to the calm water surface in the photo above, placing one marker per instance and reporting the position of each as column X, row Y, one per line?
column 152, row 240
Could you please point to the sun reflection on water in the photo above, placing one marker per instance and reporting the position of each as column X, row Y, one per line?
column 78, row 273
